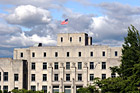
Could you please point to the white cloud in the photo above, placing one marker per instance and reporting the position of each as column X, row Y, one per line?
column 29, row 16
column 24, row 40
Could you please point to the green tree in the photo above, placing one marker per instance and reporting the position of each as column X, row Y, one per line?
column 129, row 70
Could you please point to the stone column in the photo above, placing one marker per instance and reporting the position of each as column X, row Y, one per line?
column 85, row 74
column 61, row 76
column 73, row 75
column 50, row 77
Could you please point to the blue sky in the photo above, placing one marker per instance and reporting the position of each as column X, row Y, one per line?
column 24, row 23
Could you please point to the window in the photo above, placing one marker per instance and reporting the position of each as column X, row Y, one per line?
column 5, row 77
column 70, row 39
column 116, row 53
column 79, row 39
column 67, row 77
column 68, row 54
column 33, row 77
column 44, row 54
column 33, row 66
column 33, row 54
column 103, row 76
column 91, row 77
column 61, row 39
column 0, row 87
column 44, row 88
column 79, row 53
column 67, row 65
column 103, row 53
column 103, row 65
column 113, row 75
column 21, row 54
column 44, row 77
column 55, row 65
column 44, row 65
column 91, row 65
column 33, row 88
column 16, row 88
column 91, row 54
column 16, row 77
column 79, row 65
column 0, row 76
column 55, row 77
column 79, row 77
column 56, row 54
column 5, row 88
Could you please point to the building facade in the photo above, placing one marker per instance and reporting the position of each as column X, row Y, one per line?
column 72, row 64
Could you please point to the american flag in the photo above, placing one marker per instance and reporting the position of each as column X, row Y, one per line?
column 64, row 22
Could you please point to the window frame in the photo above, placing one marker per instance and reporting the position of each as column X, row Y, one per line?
column 44, row 77
column 32, row 77
column 16, row 77
column 5, row 76
column 21, row 54
column 67, row 77
column 56, row 77
column 67, row 65
column 79, row 65
column 91, row 77
column 56, row 65
column 44, row 65
column 33, row 65
column 103, row 65
column 79, row 77
column 91, row 65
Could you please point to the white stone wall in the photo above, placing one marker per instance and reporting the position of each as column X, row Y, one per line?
column 12, row 67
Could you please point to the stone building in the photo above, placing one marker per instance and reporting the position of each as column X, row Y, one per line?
column 72, row 64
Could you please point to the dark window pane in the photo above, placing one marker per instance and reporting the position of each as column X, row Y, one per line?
column 103, row 53
column 21, row 54
column 79, row 53
column 91, row 54
column 91, row 65
column 44, row 88
column 33, row 88
column 91, row 77
column 56, row 54
column 67, row 77
column 68, row 54
column 55, row 77
column 70, row 39
column 79, row 65
column 5, row 88
column 56, row 65
column 33, row 66
column 103, row 76
column 79, row 39
column 16, row 77
column 44, row 65
column 116, row 53
column 33, row 77
column 103, row 65
column 44, row 77
column 61, row 39
column 5, row 76
column 79, row 77
column 44, row 54
column 33, row 54
column 67, row 65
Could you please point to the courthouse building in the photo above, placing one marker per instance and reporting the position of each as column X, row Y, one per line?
column 72, row 64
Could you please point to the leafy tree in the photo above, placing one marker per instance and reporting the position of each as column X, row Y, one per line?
column 129, row 70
